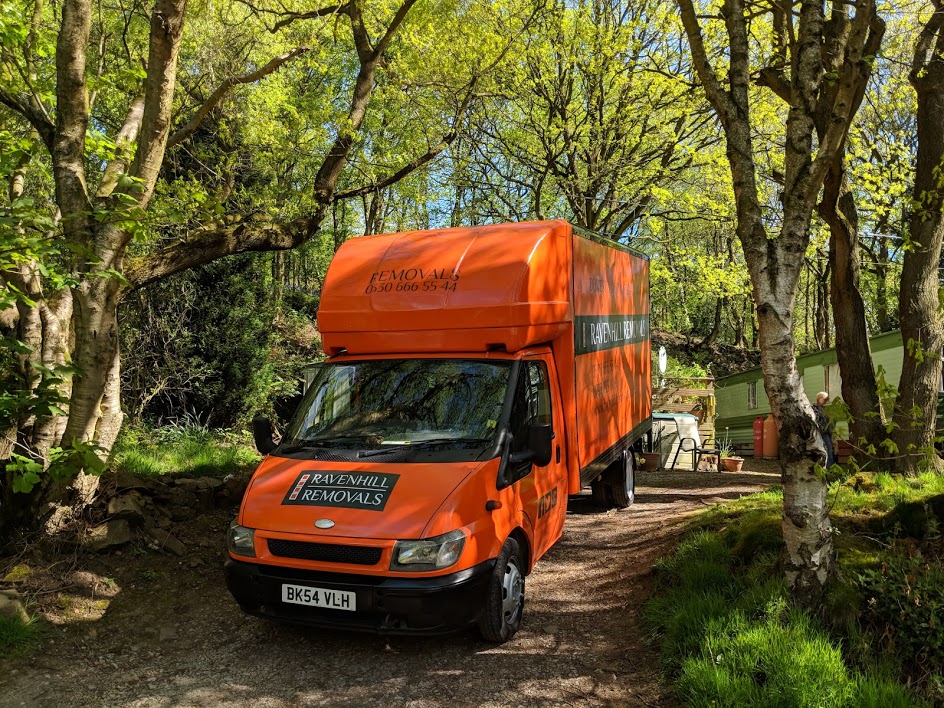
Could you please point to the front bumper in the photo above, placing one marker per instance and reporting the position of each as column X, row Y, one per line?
column 385, row 605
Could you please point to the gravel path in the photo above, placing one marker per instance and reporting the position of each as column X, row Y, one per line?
column 171, row 635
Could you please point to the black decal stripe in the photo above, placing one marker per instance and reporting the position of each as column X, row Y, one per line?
column 594, row 333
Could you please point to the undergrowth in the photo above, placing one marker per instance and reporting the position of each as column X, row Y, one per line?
column 730, row 635
column 182, row 449
column 16, row 635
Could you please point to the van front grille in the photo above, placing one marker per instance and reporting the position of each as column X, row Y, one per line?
column 324, row 552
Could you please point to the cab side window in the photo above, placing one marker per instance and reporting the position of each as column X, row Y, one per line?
column 532, row 406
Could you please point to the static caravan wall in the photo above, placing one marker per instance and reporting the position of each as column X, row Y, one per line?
column 890, row 360
column 735, row 412
column 819, row 371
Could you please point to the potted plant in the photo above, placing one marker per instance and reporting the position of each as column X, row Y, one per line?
column 729, row 461
column 652, row 460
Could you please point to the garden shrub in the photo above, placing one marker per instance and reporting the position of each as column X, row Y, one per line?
column 905, row 600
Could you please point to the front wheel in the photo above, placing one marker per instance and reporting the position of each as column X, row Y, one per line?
column 504, row 600
column 622, row 481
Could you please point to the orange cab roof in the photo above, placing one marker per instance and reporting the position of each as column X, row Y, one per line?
column 463, row 289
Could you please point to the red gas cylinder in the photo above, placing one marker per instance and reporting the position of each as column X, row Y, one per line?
column 771, row 438
column 759, row 436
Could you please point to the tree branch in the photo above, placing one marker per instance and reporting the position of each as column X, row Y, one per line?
column 322, row 12
column 167, row 26
column 327, row 178
column 773, row 78
column 212, row 242
column 419, row 161
column 36, row 118
column 123, row 144
column 715, row 92
column 924, row 47
column 866, row 33
column 180, row 135
column 288, row 17
column 394, row 26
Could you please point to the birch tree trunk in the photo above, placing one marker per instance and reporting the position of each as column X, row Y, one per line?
column 775, row 263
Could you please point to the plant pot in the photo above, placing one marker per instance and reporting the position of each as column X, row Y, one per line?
column 732, row 464
column 843, row 450
column 652, row 461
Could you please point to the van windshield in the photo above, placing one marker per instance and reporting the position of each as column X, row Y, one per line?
column 401, row 402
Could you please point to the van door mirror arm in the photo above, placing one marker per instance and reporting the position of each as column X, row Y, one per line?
column 540, row 439
column 263, row 435
column 519, row 458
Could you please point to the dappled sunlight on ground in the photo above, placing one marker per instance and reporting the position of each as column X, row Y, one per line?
column 172, row 636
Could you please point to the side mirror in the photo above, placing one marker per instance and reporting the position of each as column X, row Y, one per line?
column 540, row 442
column 262, row 435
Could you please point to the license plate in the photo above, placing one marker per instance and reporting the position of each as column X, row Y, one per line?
column 319, row 597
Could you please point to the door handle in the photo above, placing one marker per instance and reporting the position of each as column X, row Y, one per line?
column 558, row 453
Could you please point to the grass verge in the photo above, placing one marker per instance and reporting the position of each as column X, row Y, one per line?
column 16, row 635
column 730, row 636
column 184, row 451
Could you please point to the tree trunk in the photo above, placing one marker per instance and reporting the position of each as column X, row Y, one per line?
column 775, row 264
column 807, row 532
column 821, row 326
column 838, row 210
column 56, row 313
column 716, row 325
column 94, row 407
column 859, row 390
column 922, row 323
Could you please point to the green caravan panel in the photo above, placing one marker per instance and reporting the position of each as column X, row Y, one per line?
column 735, row 419
column 763, row 403
column 814, row 381
column 731, row 400
column 737, row 433
column 749, row 375
column 827, row 356
column 890, row 360
column 889, row 340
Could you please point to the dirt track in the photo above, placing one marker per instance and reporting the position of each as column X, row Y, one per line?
column 171, row 635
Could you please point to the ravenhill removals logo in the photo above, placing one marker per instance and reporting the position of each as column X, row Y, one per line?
column 346, row 490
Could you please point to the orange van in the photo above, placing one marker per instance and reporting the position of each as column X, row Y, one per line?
column 475, row 378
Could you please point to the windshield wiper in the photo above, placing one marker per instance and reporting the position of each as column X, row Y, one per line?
column 325, row 442
column 423, row 444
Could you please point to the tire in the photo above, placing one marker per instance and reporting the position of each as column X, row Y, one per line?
column 622, row 481
column 601, row 494
column 504, row 599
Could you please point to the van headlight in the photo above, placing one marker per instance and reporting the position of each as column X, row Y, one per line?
column 241, row 541
column 429, row 553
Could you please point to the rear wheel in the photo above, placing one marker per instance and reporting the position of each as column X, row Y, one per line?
column 622, row 481
column 504, row 600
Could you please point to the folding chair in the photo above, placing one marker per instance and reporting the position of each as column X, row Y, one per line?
column 697, row 451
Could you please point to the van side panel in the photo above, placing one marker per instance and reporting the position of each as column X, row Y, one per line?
column 613, row 386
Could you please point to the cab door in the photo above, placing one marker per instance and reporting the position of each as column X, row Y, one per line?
column 541, row 491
